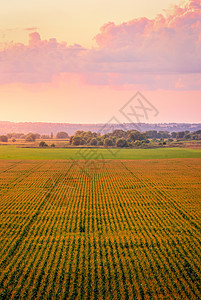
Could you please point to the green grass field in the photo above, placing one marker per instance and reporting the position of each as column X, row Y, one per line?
column 12, row 152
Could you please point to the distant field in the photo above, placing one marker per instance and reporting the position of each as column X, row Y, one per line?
column 11, row 152
column 118, row 230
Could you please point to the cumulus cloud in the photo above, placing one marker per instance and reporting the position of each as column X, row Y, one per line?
column 170, row 43
column 38, row 61
column 164, row 52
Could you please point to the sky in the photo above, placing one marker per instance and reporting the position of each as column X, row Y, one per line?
column 82, row 61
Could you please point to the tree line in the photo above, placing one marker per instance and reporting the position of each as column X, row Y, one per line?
column 32, row 137
column 118, row 138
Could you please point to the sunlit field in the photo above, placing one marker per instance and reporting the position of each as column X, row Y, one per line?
column 100, row 229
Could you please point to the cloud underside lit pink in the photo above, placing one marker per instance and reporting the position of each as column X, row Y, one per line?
column 162, row 53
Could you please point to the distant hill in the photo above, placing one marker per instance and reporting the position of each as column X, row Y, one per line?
column 47, row 128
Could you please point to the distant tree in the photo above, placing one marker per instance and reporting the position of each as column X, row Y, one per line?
column 4, row 138
column 94, row 142
column 180, row 134
column 52, row 146
column 77, row 140
column 196, row 136
column 122, row 143
column 83, row 141
column 119, row 133
column 31, row 137
column 174, row 135
column 134, row 135
column 62, row 135
column 95, row 134
column 105, row 136
column 13, row 140
column 45, row 136
column 52, row 135
column 151, row 134
column 100, row 143
column 114, row 140
column 71, row 139
column 43, row 144
column 14, row 135
column 163, row 134
column 88, row 141
column 154, row 140
column 79, row 133
column 138, row 143
column 88, row 136
column 108, row 142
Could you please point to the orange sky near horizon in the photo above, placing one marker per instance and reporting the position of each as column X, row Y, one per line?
column 76, row 102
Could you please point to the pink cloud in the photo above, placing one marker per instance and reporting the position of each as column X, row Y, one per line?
column 38, row 61
column 164, row 52
column 31, row 28
column 170, row 43
column 34, row 39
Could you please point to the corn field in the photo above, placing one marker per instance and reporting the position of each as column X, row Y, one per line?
column 118, row 230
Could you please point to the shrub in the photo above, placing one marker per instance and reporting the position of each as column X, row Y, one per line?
column 43, row 144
